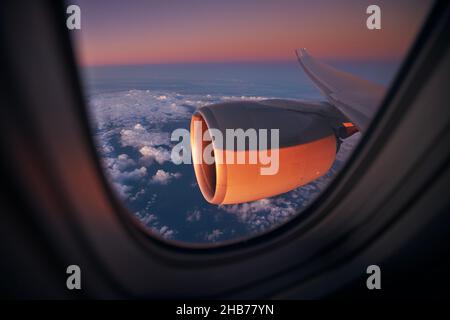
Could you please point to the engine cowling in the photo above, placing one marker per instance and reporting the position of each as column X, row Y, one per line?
column 305, row 151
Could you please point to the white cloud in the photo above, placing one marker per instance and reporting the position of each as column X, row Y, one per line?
column 166, row 232
column 138, row 138
column 135, row 174
column 126, row 108
column 244, row 98
column 262, row 214
column 149, row 219
column 152, row 221
column 115, row 168
column 194, row 215
column 137, row 195
column 163, row 177
column 116, row 171
column 150, row 154
column 194, row 184
column 123, row 191
column 214, row 235
column 104, row 149
column 123, row 162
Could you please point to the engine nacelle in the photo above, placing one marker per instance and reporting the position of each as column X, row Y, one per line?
column 305, row 151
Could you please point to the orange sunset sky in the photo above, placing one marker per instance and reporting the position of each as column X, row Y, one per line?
column 193, row 31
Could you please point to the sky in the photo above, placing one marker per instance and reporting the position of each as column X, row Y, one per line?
column 132, row 32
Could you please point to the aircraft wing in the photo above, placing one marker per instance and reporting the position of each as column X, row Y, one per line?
column 356, row 98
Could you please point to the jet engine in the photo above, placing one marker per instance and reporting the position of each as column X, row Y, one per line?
column 263, row 148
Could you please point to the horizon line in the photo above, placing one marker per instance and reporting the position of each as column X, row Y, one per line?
column 256, row 61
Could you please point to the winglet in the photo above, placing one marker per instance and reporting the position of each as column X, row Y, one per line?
column 357, row 98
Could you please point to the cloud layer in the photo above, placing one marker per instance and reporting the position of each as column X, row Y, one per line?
column 133, row 138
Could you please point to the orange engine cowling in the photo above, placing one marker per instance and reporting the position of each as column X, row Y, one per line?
column 306, row 150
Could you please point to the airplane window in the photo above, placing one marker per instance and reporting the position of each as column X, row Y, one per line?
column 219, row 120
